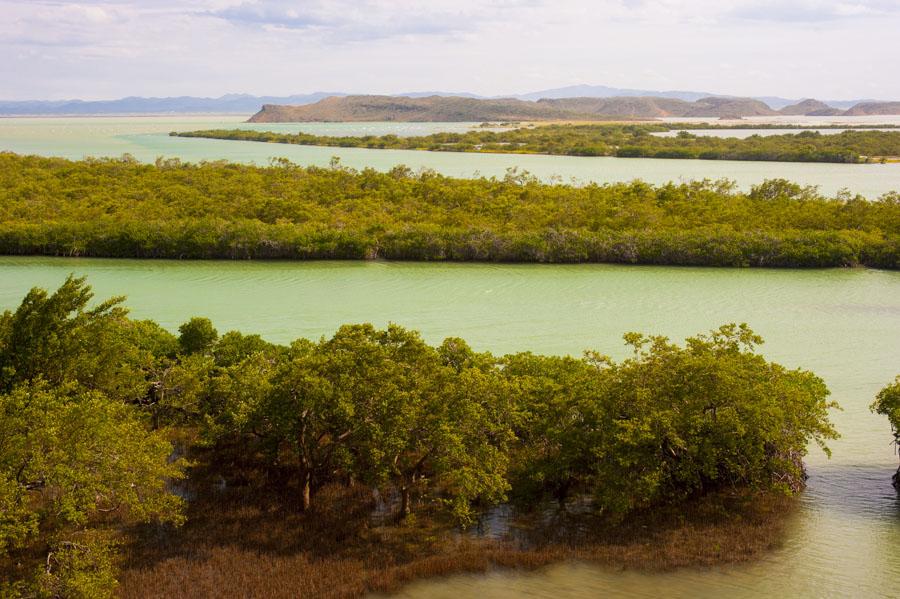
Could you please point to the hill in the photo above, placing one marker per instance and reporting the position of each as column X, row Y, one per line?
column 432, row 108
column 442, row 108
column 874, row 108
column 248, row 104
column 622, row 106
column 596, row 99
column 810, row 107
column 727, row 108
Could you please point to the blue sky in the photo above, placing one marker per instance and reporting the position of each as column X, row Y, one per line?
column 95, row 49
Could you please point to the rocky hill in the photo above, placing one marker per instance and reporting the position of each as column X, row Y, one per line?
column 874, row 108
column 621, row 106
column 457, row 109
column 432, row 108
column 810, row 107
column 727, row 108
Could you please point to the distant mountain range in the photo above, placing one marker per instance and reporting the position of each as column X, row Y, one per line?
column 248, row 104
column 228, row 104
column 456, row 109
column 602, row 91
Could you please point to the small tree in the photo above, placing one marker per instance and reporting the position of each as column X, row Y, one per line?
column 422, row 425
column 59, row 339
column 68, row 458
column 887, row 403
column 197, row 336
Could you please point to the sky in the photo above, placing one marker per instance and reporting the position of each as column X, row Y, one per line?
column 104, row 49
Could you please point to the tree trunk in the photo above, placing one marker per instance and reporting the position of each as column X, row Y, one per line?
column 305, row 488
column 404, row 502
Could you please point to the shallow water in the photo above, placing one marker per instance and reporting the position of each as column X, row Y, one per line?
column 147, row 138
column 842, row 324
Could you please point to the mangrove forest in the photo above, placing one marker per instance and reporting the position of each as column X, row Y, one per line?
column 621, row 140
column 122, row 208
column 130, row 456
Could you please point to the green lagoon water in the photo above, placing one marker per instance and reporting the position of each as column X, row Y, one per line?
column 147, row 138
column 842, row 324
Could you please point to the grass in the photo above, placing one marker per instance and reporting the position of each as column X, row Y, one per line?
column 249, row 540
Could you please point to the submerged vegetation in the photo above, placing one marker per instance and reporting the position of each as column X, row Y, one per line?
column 122, row 208
column 622, row 140
column 689, row 446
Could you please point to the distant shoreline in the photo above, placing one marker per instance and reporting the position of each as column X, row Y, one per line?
column 621, row 140
column 121, row 114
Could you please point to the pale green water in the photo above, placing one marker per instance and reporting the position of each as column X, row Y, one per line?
column 147, row 138
column 842, row 324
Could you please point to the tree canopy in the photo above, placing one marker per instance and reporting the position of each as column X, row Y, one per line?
column 75, row 453
column 887, row 403
column 85, row 426
column 622, row 140
column 120, row 208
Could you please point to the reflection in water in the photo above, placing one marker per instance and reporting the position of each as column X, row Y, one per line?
column 842, row 324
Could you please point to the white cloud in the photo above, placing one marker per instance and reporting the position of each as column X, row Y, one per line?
column 110, row 48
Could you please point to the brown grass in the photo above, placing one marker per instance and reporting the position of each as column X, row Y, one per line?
column 245, row 543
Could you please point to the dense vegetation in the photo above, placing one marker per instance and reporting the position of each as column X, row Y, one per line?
column 90, row 399
column 121, row 208
column 888, row 404
column 625, row 141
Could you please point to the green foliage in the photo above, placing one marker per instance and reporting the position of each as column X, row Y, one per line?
column 425, row 425
column 57, row 338
column 449, row 426
column 669, row 423
column 119, row 208
column 622, row 140
column 680, row 421
column 69, row 459
column 76, row 455
column 197, row 336
column 887, row 403
column 84, row 447
column 559, row 399
column 82, row 568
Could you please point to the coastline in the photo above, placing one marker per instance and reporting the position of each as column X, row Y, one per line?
column 249, row 542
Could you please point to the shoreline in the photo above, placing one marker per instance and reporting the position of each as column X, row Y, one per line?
column 620, row 140
column 252, row 545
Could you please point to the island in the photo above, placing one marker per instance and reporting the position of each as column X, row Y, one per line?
column 132, row 455
column 126, row 209
column 632, row 140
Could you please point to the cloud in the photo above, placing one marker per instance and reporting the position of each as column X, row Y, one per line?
column 109, row 48
column 343, row 20
column 813, row 11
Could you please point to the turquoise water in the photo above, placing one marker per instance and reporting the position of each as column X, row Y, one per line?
column 147, row 138
column 842, row 324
